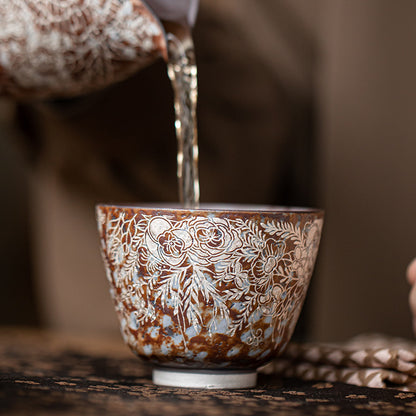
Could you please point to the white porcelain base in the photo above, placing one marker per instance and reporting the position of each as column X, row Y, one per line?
column 204, row 379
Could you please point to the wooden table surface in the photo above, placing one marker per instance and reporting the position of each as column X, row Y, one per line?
column 42, row 373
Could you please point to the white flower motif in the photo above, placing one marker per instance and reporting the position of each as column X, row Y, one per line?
column 167, row 244
column 241, row 278
column 267, row 265
column 304, row 254
column 311, row 245
column 299, row 261
column 271, row 300
column 215, row 240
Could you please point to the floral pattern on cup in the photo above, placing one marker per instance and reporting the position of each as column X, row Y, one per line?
column 243, row 276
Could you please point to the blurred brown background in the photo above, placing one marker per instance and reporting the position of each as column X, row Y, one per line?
column 306, row 102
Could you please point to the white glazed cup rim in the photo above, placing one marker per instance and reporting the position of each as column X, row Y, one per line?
column 217, row 208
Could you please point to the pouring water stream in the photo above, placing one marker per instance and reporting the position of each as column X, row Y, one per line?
column 177, row 20
column 182, row 72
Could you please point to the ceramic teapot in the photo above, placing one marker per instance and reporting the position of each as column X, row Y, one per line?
column 72, row 47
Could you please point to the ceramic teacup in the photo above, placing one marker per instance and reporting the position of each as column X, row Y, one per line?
column 208, row 295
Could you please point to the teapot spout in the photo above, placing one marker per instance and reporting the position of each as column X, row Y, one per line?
column 179, row 11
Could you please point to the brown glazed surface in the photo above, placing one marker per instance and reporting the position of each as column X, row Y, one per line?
column 208, row 289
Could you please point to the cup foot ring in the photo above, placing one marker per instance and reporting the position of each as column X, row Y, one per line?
column 204, row 379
